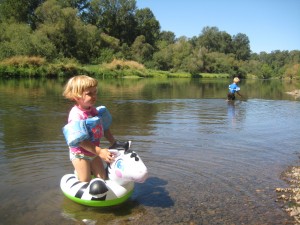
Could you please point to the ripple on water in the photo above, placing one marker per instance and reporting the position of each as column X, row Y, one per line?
column 227, row 168
column 209, row 163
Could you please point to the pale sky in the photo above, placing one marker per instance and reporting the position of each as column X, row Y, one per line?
column 269, row 24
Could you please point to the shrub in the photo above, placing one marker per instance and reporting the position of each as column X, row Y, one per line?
column 23, row 61
column 118, row 64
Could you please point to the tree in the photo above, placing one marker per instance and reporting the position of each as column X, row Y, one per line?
column 163, row 58
column 114, row 17
column 141, row 50
column 167, row 36
column 292, row 71
column 265, row 71
column 210, row 39
column 80, row 5
column 215, row 41
column 225, row 43
column 19, row 39
column 147, row 25
column 21, row 11
column 241, row 46
column 71, row 37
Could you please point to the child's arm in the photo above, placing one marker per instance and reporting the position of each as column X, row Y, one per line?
column 102, row 152
column 239, row 94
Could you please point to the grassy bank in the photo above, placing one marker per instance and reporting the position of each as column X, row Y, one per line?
column 23, row 66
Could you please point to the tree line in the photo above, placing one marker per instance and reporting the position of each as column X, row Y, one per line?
column 98, row 31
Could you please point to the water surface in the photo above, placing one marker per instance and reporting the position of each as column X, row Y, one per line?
column 209, row 161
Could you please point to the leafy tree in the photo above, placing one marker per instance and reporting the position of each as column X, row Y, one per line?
column 222, row 63
column 141, row 50
column 110, row 41
column 163, row 58
column 147, row 25
column 252, row 66
column 114, row 17
column 19, row 39
column 241, row 46
column 194, row 63
column 210, row 39
column 295, row 56
column 19, row 10
column 181, row 51
column 215, row 41
column 71, row 37
column 125, row 52
column 225, row 43
column 164, row 40
column 292, row 71
column 167, row 36
column 265, row 71
column 80, row 5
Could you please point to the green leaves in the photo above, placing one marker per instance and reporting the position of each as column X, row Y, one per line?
column 98, row 31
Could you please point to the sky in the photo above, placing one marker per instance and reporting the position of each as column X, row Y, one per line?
column 269, row 24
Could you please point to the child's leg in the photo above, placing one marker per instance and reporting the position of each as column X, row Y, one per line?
column 97, row 168
column 83, row 169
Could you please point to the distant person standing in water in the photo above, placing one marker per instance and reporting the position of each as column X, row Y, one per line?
column 233, row 88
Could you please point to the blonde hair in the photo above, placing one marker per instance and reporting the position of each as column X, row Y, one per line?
column 77, row 85
column 236, row 79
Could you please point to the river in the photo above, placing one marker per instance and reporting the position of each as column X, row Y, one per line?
column 209, row 161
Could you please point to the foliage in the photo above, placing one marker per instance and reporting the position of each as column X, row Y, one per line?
column 100, row 31
column 147, row 25
column 141, row 51
column 24, row 61
column 23, row 66
column 241, row 46
column 121, row 64
column 292, row 71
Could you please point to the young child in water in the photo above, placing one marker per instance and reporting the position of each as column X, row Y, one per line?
column 87, row 157
column 233, row 88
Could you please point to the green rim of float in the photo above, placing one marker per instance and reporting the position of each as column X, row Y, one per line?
column 104, row 203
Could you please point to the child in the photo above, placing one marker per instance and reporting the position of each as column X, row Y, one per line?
column 233, row 88
column 86, row 158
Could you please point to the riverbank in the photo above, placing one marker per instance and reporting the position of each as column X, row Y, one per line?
column 39, row 67
column 295, row 93
column 290, row 196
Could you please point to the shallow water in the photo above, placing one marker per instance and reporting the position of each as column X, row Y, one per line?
column 209, row 161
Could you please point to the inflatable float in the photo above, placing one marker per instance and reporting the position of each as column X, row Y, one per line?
column 127, row 169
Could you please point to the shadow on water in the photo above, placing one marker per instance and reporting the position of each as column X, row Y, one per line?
column 153, row 193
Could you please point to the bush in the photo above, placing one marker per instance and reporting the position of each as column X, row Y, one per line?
column 117, row 64
column 23, row 61
column 25, row 66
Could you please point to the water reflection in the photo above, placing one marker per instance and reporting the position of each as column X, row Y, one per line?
column 210, row 161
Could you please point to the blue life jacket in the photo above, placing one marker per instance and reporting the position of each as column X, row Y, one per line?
column 77, row 131
column 233, row 88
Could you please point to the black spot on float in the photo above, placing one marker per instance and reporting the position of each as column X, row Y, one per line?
column 98, row 187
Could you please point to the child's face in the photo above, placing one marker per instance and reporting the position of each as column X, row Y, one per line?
column 88, row 99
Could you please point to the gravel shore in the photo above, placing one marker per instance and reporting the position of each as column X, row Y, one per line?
column 290, row 196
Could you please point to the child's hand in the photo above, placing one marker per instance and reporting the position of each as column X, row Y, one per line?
column 106, row 155
column 115, row 152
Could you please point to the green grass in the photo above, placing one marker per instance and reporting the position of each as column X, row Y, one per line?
column 24, row 66
column 214, row 75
